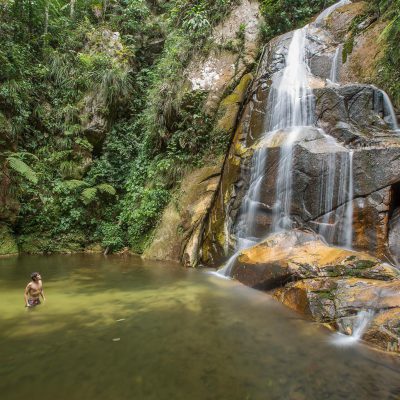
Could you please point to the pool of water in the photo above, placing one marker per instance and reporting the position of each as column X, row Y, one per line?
column 119, row 328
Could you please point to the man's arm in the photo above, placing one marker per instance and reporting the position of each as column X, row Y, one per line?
column 42, row 294
column 26, row 294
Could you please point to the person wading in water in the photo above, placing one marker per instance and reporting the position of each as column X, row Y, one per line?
column 33, row 290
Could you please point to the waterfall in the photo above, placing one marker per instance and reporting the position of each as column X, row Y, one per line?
column 389, row 111
column 354, row 334
column 290, row 108
column 327, row 12
column 334, row 74
column 290, row 98
column 348, row 219
column 361, row 323
column 339, row 183
column 292, row 104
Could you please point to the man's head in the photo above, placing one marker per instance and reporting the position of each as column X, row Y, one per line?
column 35, row 276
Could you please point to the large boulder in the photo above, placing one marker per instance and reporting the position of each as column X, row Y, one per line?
column 328, row 284
column 296, row 255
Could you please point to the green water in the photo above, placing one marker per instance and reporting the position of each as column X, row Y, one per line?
column 116, row 328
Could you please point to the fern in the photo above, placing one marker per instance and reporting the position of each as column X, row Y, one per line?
column 106, row 188
column 70, row 169
column 73, row 184
column 88, row 195
column 23, row 169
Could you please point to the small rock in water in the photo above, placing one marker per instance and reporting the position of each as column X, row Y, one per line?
column 117, row 339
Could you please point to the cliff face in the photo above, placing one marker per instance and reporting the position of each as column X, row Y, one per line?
column 224, row 75
column 314, row 164
column 352, row 124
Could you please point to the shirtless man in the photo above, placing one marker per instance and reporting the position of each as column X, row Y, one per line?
column 33, row 290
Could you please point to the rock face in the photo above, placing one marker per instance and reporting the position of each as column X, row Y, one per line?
column 178, row 234
column 394, row 235
column 345, row 168
column 328, row 284
column 224, row 75
column 234, row 52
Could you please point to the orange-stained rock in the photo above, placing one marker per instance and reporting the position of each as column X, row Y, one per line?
column 339, row 301
column 297, row 254
column 328, row 284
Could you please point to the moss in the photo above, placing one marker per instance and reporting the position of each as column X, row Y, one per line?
column 8, row 244
column 364, row 264
column 347, row 48
column 325, row 294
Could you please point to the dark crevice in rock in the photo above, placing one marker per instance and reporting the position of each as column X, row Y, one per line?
column 364, row 196
column 216, row 175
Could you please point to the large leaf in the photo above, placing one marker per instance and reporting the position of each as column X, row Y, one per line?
column 23, row 169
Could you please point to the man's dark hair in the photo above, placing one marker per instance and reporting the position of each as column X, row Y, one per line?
column 34, row 275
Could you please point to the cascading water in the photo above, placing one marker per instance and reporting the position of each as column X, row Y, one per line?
column 354, row 334
column 334, row 74
column 338, row 182
column 327, row 12
column 291, row 106
column 389, row 111
column 348, row 219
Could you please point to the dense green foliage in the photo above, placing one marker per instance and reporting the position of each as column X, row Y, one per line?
column 96, row 127
column 284, row 15
column 389, row 11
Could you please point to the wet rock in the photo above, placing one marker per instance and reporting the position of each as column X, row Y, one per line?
column 341, row 302
column 298, row 255
column 359, row 106
column 339, row 22
column 384, row 330
column 178, row 234
column 370, row 222
column 394, row 235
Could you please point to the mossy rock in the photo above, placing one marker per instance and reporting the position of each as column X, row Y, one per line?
column 8, row 244
column 230, row 105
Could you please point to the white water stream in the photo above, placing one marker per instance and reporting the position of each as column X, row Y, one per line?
column 360, row 325
column 327, row 12
column 389, row 111
column 337, row 59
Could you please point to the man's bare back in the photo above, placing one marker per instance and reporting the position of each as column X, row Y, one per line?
column 33, row 291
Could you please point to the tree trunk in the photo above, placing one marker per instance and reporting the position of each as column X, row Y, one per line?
column 46, row 18
column 72, row 8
